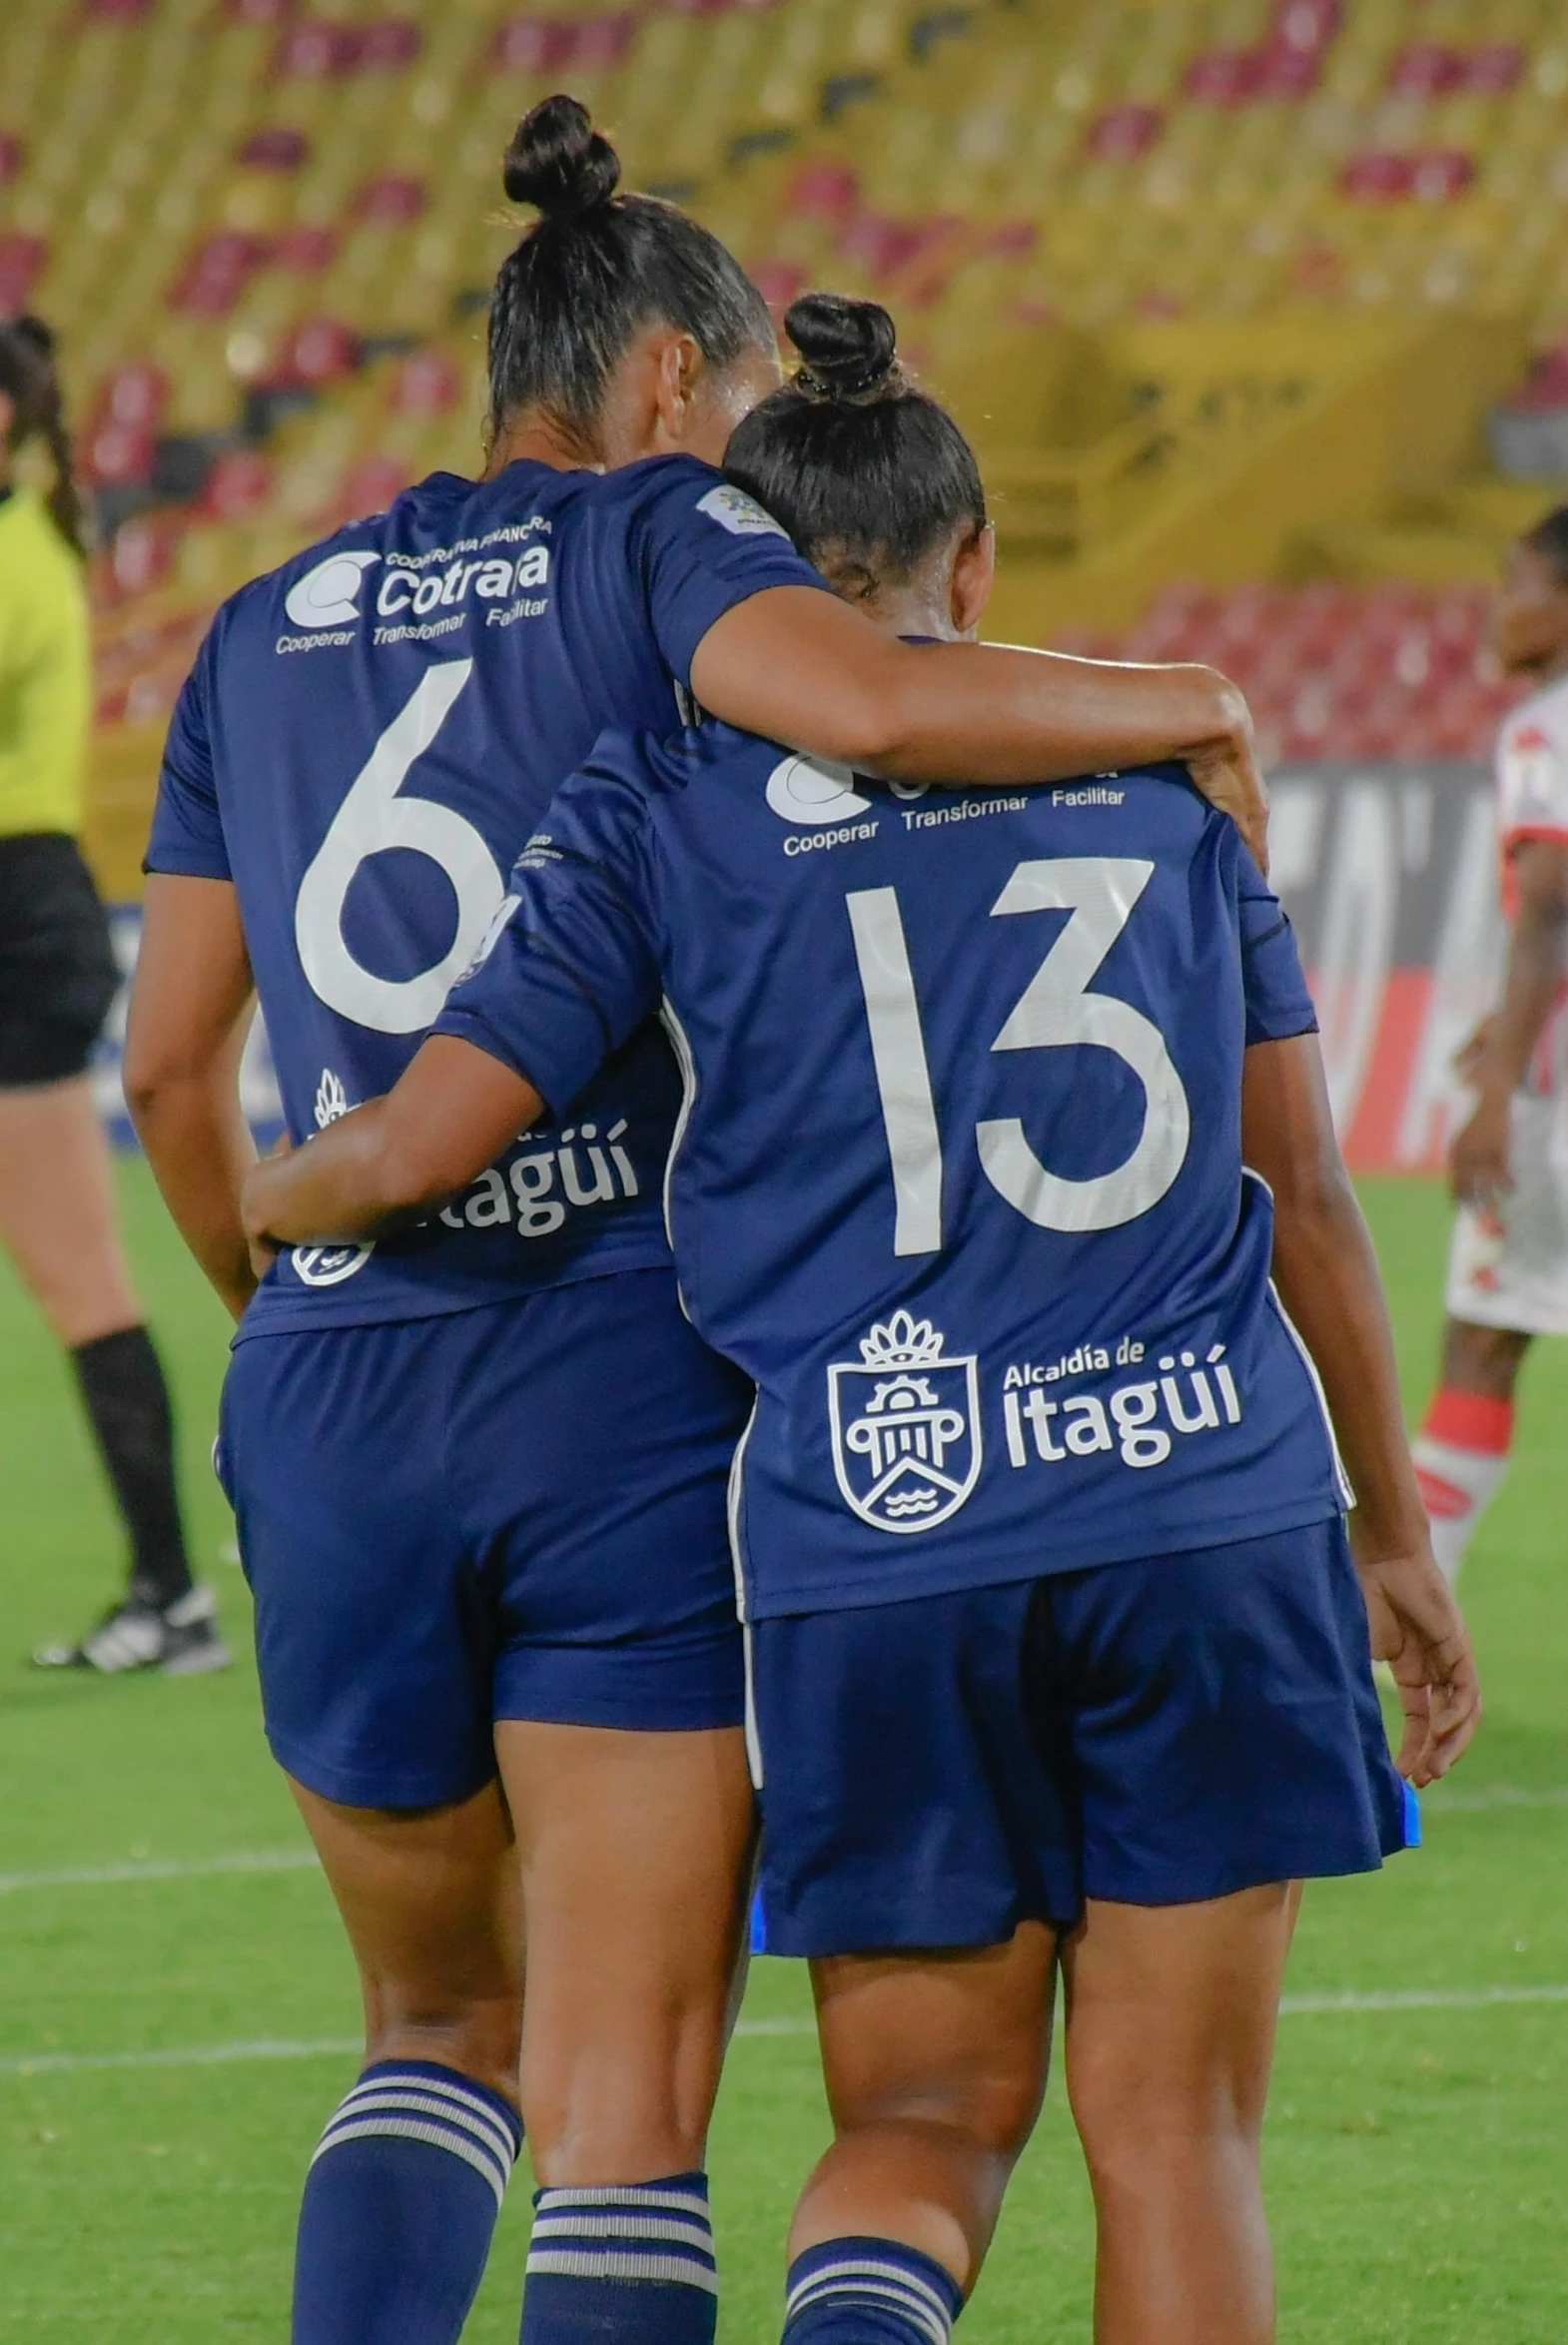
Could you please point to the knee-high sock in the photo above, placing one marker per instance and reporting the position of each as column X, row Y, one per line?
column 869, row 2292
column 622, row 2266
column 127, row 1400
column 400, row 2205
column 1461, row 1457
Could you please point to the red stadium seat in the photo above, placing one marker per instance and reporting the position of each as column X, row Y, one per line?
column 22, row 259
column 1425, row 69
column 276, row 148
column 1222, row 77
column 1494, row 69
column 822, row 190
column 116, row 454
column 133, row 396
column 1123, row 133
column 217, row 273
column 391, row 199
column 239, row 485
column 303, row 251
column 425, row 382
column 321, row 351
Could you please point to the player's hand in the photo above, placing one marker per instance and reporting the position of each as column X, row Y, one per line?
column 1228, row 774
column 255, row 1199
column 1470, row 1056
column 1417, row 1628
column 1479, row 1171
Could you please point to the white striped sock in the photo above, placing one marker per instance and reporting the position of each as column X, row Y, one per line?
column 444, row 2111
column 646, row 2231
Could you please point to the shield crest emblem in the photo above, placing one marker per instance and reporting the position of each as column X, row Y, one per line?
column 906, row 1426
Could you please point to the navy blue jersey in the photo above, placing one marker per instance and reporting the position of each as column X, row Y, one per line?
column 366, row 739
column 958, row 1178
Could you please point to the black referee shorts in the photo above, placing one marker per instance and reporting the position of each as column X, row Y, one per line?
column 58, row 974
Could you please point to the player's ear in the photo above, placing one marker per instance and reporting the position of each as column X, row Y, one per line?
column 973, row 571
column 678, row 369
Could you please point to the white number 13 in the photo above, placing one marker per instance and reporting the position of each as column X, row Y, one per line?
column 1055, row 1010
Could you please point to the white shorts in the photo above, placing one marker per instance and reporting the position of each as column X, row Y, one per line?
column 1511, row 1271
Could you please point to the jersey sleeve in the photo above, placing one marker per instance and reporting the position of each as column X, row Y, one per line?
column 571, row 968
column 1532, row 776
column 1273, row 983
column 707, row 546
column 187, row 837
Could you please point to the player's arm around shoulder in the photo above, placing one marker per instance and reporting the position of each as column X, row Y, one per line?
column 1327, row 1277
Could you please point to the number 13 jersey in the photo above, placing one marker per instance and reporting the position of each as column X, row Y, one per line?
column 365, row 741
column 959, row 1175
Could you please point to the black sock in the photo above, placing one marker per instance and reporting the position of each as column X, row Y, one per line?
column 128, row 1402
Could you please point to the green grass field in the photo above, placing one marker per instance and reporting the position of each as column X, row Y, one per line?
column 171, row 2039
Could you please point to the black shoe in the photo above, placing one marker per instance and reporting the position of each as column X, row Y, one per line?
column 181, row 1639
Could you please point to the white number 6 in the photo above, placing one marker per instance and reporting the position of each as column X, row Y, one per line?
column 373, row 817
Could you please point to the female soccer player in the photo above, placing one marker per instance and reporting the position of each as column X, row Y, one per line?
column 1055, row 1643
column 57, row 980
column 479, row 1470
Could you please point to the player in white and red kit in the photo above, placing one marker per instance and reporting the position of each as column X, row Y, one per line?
column 1508, row 1270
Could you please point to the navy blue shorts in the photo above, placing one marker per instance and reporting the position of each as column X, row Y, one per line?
column 935, row 1771
column 510, row 1512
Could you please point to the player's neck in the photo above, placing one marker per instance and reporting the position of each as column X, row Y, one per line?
column 536, row 439
column 911, row 610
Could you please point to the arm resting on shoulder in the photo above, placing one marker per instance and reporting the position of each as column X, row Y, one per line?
column 190, row 1012
column 1327, row 1273
column 453, row 1112
column 805, row 668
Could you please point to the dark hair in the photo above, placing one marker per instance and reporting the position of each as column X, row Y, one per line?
column 596, row 267
column 1549, row 538
column 866, row 472
column 29, row 382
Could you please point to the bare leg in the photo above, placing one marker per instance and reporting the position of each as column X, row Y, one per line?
column 635, row 1856
column 58, row 1223
column 1171, row 2015
column 401, row 2199
column 936, row 2066
column 1461, row 1451
column 431, row 1900
column 1486, row 1360
column 57, row 1210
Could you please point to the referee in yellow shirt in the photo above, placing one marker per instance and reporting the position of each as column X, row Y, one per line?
column 57, row 980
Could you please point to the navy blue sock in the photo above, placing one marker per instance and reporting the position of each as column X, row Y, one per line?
column 869, row 2292
column 400, row 2205
column 628, row 2265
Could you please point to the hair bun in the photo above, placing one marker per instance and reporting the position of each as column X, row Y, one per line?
column 558, row 161
column 849, row 348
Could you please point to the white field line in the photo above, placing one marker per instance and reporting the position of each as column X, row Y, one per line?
column 1435, row 1805
column 1491, row 1795
column 162, row 1868
column 214, row 2056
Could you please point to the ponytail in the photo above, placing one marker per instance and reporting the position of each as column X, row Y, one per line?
column 594, row 269
column 867, row 472
column 28, row 378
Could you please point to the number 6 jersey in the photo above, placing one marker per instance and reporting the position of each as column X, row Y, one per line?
column 958, row 1178
column 366, row 740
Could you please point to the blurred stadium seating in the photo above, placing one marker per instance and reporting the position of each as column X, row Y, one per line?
column 1227, row 289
